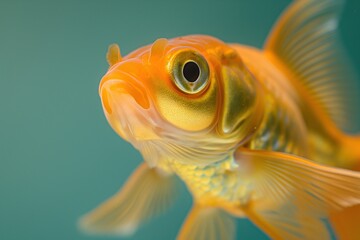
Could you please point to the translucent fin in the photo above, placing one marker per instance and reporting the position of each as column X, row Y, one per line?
column 275, row 177
column 208, row 223
column 290, row 194
column 147, row 193
column 346, row 223
column 113, row 55
column 305, row 43
column 288, row 221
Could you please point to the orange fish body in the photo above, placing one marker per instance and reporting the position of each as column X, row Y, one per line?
column 307, row 129
column 253, row 133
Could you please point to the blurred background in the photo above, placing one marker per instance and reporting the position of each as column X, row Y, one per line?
column 58, row 156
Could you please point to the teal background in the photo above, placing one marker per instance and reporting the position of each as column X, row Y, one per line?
column 58, row 156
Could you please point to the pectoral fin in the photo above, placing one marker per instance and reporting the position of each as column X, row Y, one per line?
column 277, row 176
column 208, row 223
column 147, row 193
column 288, row 221
column 347, row 223
column 298, row 192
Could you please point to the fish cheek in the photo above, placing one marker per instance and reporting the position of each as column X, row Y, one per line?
column 187, row 112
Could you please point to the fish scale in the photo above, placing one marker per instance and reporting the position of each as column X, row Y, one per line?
column 279, row 131
column 213, row 182
column 282, row 129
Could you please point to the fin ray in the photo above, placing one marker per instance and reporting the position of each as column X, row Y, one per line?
column 306, row 41
column 346, row 223
column 207, row 223
column 288, row 222
column 146, row 194
column 279, row 175
column 291, row 195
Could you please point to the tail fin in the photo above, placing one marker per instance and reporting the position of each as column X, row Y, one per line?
column 346, row 222
column 351, row 152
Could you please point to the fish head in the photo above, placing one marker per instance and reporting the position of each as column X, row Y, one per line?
column 186, row 99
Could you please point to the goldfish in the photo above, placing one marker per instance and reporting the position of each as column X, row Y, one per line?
column 253, row 133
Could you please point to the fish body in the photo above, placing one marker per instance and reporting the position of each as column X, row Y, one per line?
column 253, row 133
column 281, row 129
column 286, row 128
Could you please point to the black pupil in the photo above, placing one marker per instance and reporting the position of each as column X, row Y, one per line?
column 191, row 71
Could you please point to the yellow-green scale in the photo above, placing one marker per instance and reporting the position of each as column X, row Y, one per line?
column 212, row 183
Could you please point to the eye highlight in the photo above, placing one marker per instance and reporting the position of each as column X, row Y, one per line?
column 189, row 71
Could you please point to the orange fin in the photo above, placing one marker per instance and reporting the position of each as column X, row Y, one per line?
column 285, row 185
column 351, row 152
column 208, row 223
column 288, row 221
column 305, row 42
column 347, row 223
column 147, row 193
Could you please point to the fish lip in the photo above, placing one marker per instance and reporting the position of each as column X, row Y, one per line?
column 124, row 83
column 128, row 108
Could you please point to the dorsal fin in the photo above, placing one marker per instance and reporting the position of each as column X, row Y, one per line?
column 306, row 42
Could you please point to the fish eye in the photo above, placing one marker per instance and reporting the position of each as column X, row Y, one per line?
column 189, row 71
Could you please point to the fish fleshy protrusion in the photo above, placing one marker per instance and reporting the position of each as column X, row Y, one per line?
column 113, row 55
column 158, row 49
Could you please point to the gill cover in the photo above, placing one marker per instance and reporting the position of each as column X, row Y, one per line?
column 242, row 97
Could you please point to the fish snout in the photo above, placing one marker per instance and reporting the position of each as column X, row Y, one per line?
column 127, row 106
column 117, row 85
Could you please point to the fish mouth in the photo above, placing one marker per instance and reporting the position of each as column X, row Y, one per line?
column 127, row 107
column 123, row 83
